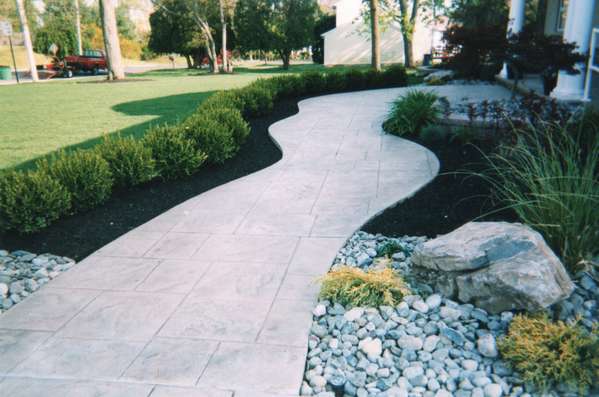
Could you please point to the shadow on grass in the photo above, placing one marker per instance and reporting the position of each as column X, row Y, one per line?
column 166, row 109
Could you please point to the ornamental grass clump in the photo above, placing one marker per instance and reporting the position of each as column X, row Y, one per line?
column 412, row 112
column 353, row 287
column 548, row 353
column 549, row 177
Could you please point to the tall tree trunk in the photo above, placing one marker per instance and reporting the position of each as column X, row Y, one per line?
column 375, row 34
column 78, row 28
column 188, row 60
column 223, row 22
column 408, row 28
column 27, row 39
column 111, row 40
column 286, row 58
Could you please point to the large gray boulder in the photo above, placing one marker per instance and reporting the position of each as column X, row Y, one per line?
column 497, row 266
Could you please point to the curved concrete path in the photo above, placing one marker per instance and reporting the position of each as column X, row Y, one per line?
column 214, row 297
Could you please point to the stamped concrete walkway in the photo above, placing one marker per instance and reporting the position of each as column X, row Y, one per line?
column 214, row 297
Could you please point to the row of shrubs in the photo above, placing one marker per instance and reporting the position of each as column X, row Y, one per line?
column 75, row 181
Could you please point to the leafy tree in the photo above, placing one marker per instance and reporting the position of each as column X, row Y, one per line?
column 58, row 28
column 281, row 26
column 477, row 34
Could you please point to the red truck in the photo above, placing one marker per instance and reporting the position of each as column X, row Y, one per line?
column 90, row 61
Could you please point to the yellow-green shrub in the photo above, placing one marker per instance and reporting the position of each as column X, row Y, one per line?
column 547, row 353
column 30, row 201
column 85, row 174
column 350, row 286
column 130, row 161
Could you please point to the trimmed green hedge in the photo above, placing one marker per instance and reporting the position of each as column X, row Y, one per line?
column 83, row 179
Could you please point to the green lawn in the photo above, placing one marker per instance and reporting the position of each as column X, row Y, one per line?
column 37, row 119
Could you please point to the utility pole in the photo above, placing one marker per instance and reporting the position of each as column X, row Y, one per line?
column 78, row 28
column 27, row 39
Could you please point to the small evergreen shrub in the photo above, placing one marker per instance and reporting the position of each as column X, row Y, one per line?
column 174, row 154
column 314, row 82
column 412, row 112
column 335, row 81
column 350, row 286
column 256, row 100
column 85, row 174
column 130, row 161
column 212, row 137
column 355, row 80
column 435, row 133
column 388, row 249
column 232, row 119
column 394, row 75
column 222, row 99
column 547, row 353
column 30, row 201
column 290, row 86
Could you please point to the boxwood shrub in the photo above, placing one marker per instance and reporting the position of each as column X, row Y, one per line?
column 175, row 155
column 255, row 100
column 130, row 161
column 85, row 174
column 213, row 136
column 30, row 201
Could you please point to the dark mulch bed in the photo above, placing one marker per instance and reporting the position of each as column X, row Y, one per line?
column 79, row 235
column 450, row 200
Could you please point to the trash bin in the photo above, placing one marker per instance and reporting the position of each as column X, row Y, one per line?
column 427, row 60
column 5, row 73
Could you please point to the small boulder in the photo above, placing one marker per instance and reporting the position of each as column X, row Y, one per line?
column 498, row 266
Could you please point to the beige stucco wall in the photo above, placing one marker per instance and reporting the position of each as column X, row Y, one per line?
column 349, row 43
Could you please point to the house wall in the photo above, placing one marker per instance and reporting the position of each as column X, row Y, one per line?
column 349, row 42
column 552, row 16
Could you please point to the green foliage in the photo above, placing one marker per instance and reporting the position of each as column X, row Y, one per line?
column 130, row 161
column 175, row 154
column 477, row 35
column 355, row 79
column 394, row 76
column 85, row 175
column 465, row 134
column 218, row 133
column 314, row 83
column 435, row 133
column 266, row 25
column 30, row 201
column 550, row 177
column 547, row 353
column 412, row 112
column 289, row 86
column 256, row 100
column 388, row 249
column 350, row 286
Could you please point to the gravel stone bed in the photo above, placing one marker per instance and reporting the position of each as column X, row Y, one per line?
column 427, row 346
column 22, row 273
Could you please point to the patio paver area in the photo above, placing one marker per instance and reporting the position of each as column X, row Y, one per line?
column 213, row 298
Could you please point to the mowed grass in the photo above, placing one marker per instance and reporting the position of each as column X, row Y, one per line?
column 38, row 119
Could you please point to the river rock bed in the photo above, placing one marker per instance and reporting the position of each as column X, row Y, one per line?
column 428, row 345
column 22, row 273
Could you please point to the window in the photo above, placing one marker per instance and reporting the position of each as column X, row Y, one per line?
column 562, row 13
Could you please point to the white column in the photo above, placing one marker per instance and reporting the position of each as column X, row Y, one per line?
column 515, row 24
column 579, row 25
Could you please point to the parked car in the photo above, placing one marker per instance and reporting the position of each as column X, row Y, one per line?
column 91, row 61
